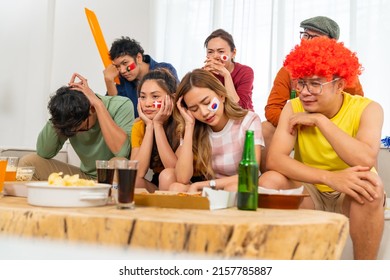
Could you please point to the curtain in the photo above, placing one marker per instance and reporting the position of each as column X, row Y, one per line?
column 266, row 30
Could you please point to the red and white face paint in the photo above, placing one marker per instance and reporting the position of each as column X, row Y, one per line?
column 214, row 105
column 130, row 67
column 224, row 57
column 156, row 104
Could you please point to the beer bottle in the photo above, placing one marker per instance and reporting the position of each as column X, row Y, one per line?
column 248, row 175
column 293, row 94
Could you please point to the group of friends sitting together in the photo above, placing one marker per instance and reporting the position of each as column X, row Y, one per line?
column 320, row 131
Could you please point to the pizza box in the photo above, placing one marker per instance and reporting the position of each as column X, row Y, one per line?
column 208, row 200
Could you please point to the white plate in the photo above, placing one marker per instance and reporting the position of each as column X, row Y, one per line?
column 15, row 188
column 42, row 194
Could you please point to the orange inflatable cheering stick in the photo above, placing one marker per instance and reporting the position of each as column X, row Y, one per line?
column 99, row 39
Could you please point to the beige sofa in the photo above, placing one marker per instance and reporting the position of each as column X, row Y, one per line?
column 67, row 154
column 384, row 168
column 384, row 172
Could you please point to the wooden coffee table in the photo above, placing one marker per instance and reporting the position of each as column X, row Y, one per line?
column 227, row 233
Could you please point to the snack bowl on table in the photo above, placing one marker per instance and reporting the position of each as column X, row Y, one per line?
column 42, row 194
column 280, row 199
column 25, row 173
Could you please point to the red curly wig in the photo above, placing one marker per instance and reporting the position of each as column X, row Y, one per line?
column 323, row 57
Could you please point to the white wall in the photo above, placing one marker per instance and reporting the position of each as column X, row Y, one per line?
column 25, row 57
column 43, row 42
column 74, row 46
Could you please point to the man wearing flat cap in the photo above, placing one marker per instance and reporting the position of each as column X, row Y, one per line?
column 284, row 88
column 320, row 26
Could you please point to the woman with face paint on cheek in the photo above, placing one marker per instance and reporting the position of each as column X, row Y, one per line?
column 212, row 128
column 130, row 64
column 153, row 135
column 220, row 60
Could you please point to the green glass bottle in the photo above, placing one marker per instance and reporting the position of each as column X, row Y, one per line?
column 248, row 175
column 293, row 94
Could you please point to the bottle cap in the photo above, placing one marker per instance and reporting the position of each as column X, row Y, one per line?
column 293, row 94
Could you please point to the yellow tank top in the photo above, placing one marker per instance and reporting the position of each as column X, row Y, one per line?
column 137, row 133
column 314, row 150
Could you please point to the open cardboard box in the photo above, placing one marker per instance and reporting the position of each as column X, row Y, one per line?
column 208, row 200
column 15, row 188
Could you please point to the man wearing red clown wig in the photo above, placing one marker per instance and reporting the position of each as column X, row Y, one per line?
column 336, row 139
column 283, row 87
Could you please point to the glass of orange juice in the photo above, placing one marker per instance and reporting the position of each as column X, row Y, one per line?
column 3, row 166
column 12, row 166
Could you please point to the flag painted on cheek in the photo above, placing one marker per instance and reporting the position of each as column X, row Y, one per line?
column 157, row 104
column 224, row 57
column 130, row 67
column 214, row 105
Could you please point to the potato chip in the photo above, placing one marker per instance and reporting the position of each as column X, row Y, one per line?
column 55, row 179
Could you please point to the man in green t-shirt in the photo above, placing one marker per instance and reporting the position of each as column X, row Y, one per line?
column 98, row 128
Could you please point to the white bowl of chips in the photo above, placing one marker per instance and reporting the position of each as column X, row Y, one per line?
column 69, row 191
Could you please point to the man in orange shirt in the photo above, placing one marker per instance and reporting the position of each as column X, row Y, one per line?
column 284, row 89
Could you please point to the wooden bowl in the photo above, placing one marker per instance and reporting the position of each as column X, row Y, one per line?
column 280, row 201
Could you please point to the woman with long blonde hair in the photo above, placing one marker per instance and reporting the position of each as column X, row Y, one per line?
column 212, row 128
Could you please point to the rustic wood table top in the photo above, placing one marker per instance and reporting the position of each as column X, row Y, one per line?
column 226, row 233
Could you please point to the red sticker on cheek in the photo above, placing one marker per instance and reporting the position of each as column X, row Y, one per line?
column 157, row 104
column 224, row 57
column 130, row 67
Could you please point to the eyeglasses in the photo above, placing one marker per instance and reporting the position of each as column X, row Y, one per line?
column 83, row 128
column 314, row 87
column 86, row 128
column 307, row 36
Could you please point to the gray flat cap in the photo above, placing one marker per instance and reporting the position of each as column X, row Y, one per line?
column 323, row 25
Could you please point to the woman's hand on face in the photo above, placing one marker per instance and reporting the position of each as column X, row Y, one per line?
column 215, row 66
column 165, row 111
column 141, row 114
column 187, row 115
